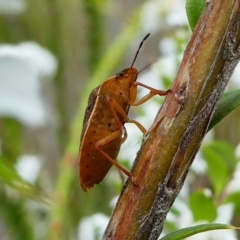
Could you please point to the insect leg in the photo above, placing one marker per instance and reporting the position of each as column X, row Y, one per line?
column 124, row 135
column 138, row 124
column 153, row 92
column 116, row 107
column 106, row 140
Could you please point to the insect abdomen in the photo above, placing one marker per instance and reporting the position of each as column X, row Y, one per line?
column 94, row 166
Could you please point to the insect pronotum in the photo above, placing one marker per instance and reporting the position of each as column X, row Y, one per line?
column 103, row 126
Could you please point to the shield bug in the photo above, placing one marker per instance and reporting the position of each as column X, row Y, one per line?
column 103, row 126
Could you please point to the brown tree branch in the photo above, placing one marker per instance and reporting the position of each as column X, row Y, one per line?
column 173, row 140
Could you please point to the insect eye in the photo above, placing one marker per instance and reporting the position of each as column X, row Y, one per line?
column 120, row 74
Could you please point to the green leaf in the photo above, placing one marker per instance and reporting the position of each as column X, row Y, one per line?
column 227, row 152
column 218, row 170
column 10, row 177
column 234, row 198
column 8, row 174
column 194, row 10
column 202, row 207
column 227, row 104
column 190, row 231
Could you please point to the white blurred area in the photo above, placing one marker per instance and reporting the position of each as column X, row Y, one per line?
column 26, row 72
column 22, row 67
column 92, row 227
column 28, row 167
column 12, row 6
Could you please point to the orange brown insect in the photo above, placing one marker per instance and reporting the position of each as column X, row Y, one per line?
column 103, row 126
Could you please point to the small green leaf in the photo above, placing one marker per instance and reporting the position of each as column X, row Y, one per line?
column 190, row 231
column 194, row 10
column 10, row 177
column 7, row 173
column 227, row 104
column 202, row 207
column 227, row 152
column 234, row 198
column 218, row 170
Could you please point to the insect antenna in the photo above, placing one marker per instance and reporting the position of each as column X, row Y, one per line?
column 148, row 65
column 139, row 49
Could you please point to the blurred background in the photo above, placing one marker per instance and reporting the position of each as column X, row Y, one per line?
column 52, row 54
